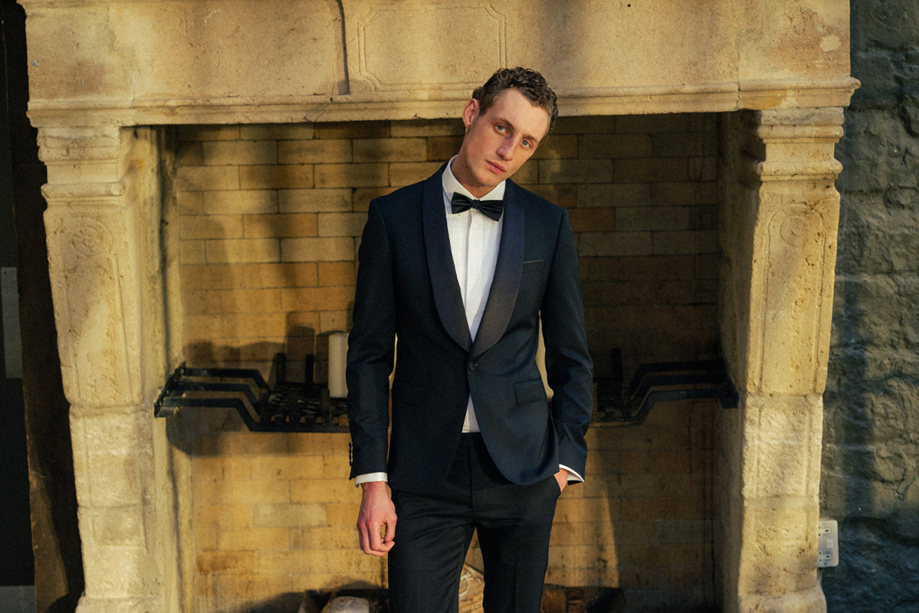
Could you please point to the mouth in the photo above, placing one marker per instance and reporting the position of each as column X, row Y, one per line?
column 496, row 167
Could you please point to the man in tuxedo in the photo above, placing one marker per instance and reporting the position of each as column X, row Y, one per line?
column 461, row 268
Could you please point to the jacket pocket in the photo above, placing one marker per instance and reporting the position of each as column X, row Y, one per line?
column 530, row 391
column 533, row 265
column 406, row 393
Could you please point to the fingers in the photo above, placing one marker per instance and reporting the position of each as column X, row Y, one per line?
column 389, row 535
column 376, row 539
column 562, row 478
column 376, row 521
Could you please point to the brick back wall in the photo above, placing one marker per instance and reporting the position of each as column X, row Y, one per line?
column 271, row 217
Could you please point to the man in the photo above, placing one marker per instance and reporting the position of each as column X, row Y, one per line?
column 461, row 267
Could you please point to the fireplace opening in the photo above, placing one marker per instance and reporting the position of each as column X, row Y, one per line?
column 269, row 220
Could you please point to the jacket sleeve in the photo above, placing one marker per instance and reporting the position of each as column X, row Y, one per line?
column 569, row 367
column 371, row 348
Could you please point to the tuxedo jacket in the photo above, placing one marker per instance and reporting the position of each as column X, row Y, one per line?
column 407, row 286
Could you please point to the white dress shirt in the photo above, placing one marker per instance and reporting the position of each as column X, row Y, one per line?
column 474, row 243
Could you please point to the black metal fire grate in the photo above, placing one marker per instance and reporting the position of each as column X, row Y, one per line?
column 661, row 382
column 307, row 407
column 289, row 407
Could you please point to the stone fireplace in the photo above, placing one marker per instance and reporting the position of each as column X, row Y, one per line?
column 208, row 166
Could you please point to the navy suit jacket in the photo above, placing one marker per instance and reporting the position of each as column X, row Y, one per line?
column 407, row 286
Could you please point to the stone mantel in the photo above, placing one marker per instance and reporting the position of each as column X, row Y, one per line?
column 155, row 62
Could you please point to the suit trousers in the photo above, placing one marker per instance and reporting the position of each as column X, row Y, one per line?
column 433, row 532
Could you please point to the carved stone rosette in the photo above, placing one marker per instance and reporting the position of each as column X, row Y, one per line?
column 778, row 232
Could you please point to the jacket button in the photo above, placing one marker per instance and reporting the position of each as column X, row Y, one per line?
column 472, row 365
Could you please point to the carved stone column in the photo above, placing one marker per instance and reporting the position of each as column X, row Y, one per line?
column 779, row 224
column 102, row 226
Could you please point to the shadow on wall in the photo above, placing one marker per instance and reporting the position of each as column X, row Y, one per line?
column 870, row 472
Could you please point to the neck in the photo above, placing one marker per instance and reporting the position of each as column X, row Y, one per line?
column 459, row 173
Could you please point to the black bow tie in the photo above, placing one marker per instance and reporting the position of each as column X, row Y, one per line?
column 490, row 208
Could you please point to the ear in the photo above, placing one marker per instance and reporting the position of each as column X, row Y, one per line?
column 470, row 112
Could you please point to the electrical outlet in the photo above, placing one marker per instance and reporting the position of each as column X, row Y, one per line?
column 827, row 543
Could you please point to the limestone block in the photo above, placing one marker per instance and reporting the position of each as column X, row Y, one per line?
column 295, row 131
column 392, row 53
column 281, row 226
column 95, row 280
column 311, row 151
column 615, row 36
column 90, row 161
column 76, row 41
column 809, row 601
column 242, row 152
column 73, row 143
column 197, row 178
column 116, row 571
column 352, row 175
column 341, row 224
column 779, row 552
column 276, row 177
column 813, row 33
column 245, row 202
column 781, row 447
column 90, row 604
column 390, row 150
column 119, row 564
column 412, row 172
column 156, row 50
column 112, row 457
column 314, row 200
column 316, row 249
column 116, row 527
column 240, row 251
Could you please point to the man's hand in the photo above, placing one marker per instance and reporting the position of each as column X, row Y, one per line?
column 562, row 477
column 376, row 521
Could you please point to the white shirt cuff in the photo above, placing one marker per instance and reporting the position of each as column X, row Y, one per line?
column 573, row 477
column 368, row 477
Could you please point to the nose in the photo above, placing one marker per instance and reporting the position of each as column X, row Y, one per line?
column 506, row 149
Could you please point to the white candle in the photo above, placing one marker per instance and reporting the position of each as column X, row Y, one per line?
column 338, row 361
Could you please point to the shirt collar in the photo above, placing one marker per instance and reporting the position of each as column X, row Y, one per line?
column 451, row 185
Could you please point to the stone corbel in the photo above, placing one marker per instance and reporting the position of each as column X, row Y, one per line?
column 93, row 236
column 794, row 249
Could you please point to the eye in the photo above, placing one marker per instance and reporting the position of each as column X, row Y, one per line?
column 500, row 128
column 526, row 143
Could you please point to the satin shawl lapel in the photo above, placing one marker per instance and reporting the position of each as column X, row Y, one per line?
column 504, row 287
column 447, row 295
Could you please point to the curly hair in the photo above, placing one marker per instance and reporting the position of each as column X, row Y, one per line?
column 528, row 82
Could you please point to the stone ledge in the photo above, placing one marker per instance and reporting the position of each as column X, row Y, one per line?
column 119, row 605
column 715, row 97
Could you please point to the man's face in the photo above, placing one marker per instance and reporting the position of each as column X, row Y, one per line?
column 498, row 141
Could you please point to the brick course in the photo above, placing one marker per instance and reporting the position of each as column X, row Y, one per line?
column 270, row 221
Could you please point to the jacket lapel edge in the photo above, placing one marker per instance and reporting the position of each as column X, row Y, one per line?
column 447, row 296
column 508, row 270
